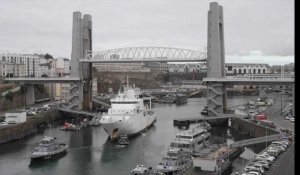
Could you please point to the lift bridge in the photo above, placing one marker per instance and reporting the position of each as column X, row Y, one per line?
column 145, row 54
column 120, row 55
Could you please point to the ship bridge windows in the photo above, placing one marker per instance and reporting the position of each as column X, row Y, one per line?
column 185, row 137
column 180, row 145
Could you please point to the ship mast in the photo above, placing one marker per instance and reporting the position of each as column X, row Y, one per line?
column 127, row 81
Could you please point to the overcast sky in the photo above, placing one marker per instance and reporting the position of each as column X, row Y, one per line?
column 256, row 31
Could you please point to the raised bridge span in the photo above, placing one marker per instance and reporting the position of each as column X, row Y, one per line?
column 145, row 54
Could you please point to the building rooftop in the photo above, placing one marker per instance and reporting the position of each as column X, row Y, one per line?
column 16, row 111
column 248, row 64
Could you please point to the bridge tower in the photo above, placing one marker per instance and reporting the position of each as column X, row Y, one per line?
column 81, row 42
column 216, row 92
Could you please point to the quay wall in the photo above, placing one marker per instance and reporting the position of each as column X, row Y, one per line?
column 24, row 129
column 250, row 128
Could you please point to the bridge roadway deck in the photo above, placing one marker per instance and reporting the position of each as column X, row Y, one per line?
column 79, row 112
column 42, row 80
column 255, row 140
column 252, row 80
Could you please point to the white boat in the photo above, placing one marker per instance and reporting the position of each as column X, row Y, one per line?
column 141, row 170
column 128, row 115
column 175, row 162
column 191, row 141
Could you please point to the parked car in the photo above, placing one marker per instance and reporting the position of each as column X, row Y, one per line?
column 262, row 161
column 285, row 141
column 287, row 118
column 263, row 157
column 273, row 152
column 253, row 173
column 2, row 124
column 255, row 164
column 281, row 148
column 253, row 168
column 292, row 119
column 279, row 144
column 265, row 164
column 268, row 155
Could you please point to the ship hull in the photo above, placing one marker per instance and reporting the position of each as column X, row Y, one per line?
column 133, row 125
column 51, row 155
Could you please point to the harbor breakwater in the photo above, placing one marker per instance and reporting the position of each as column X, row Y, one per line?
column 21, row 130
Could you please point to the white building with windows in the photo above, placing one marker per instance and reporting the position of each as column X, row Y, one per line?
column 8, row 69
column 31, row 62
column 15, row 117
column 36, row 65
column 247, row 68
column 66, row 66
column 188, row 68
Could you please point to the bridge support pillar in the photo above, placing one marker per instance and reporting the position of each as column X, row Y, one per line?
column 224, row 98
column 293, row 97
column 216, row 96
column 81, row 43
column 216, row 99
column 85, row 87
column 29, row 95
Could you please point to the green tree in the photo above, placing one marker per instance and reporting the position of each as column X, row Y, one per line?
column 48, row 56
column 9, row 96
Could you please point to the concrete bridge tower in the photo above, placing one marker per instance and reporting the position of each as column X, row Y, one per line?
column 81, row 42
column 216, row 94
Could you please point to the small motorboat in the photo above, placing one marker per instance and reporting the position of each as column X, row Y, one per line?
column 141, row 170
column 123, row 140
column 70, row 127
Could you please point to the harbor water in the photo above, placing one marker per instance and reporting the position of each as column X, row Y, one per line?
column 91, row 153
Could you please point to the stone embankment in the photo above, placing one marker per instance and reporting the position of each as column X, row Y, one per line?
column 19, row 131
column 250, row 128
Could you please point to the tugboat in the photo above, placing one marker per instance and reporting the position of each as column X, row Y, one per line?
column 48, row 148
column 175, row 162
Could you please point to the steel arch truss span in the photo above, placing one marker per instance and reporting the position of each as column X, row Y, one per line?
column 145, row 54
